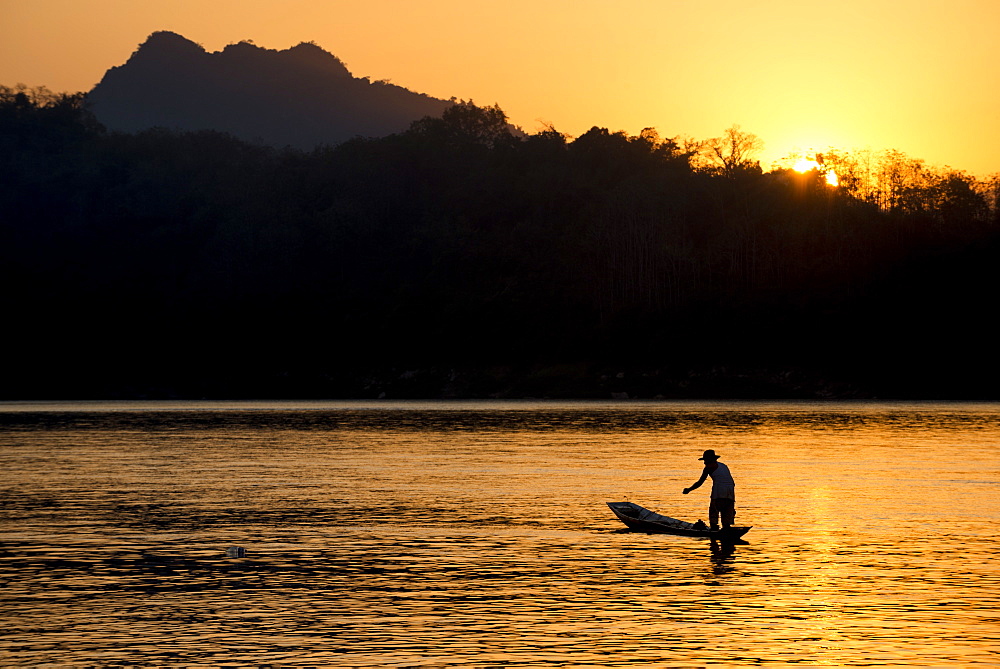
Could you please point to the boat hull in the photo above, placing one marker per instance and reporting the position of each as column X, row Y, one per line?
column 640, row 519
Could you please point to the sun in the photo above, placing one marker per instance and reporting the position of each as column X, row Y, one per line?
column 805, row 165
column 809, row 164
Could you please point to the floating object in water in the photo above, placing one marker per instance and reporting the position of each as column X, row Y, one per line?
column 644, row 520
column 236, row 551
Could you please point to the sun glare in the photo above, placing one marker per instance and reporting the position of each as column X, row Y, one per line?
column 808, row 164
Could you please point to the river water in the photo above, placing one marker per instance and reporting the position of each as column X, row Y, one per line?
column 446, row 534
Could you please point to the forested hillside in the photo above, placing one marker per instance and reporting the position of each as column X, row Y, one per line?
column 456, row 260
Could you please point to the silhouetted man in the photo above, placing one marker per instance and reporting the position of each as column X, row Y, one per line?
column 723, row 490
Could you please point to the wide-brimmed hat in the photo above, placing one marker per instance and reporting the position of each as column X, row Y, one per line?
column 709, row 455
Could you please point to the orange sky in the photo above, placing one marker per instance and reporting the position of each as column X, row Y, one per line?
column 921, row 76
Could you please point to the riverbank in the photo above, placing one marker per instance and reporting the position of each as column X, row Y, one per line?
column 571, row 380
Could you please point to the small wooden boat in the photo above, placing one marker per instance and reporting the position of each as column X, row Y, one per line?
column 643, row 520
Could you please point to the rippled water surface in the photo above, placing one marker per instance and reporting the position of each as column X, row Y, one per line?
column 477, row 534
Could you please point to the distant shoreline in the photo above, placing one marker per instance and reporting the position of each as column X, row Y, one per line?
column 557, row 382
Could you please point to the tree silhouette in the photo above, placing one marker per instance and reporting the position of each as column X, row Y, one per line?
column 458, row 257
column 464, row 122
column 734, row 152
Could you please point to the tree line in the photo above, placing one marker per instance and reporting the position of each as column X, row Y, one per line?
column 461, row 258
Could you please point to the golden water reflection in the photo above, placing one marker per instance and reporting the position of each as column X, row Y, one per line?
column 477, row 535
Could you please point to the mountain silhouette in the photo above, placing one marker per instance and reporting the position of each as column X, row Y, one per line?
column 301, row 97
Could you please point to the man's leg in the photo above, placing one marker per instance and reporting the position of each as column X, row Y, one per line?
column 713, row 515
column 727, row 511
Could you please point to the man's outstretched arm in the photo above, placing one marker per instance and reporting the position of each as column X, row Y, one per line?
column 704, row 475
